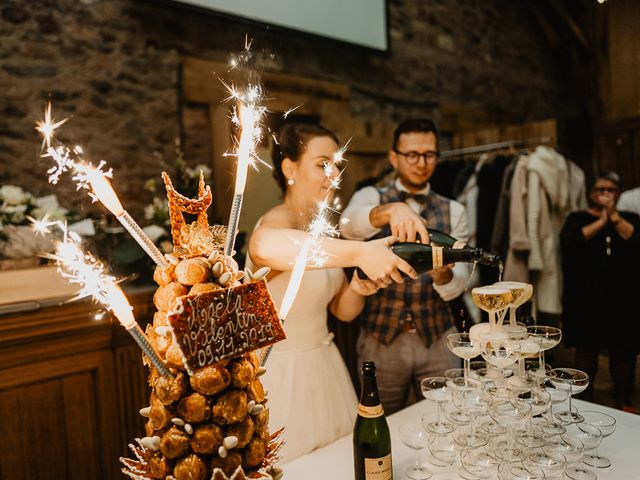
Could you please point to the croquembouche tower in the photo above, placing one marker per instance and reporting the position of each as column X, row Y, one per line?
column 207, row 416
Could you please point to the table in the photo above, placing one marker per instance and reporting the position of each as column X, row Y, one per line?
column 335, row 461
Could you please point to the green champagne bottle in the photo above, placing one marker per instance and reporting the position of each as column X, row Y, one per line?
column 371, row 437
column 427, row 257
column 442, row 239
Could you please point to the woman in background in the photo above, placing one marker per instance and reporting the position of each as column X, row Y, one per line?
column 600, row 256
column 310, row 391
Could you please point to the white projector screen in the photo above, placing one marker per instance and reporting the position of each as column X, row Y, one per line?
column 361, row 22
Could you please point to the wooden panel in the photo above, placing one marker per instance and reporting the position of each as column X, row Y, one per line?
column 622, row 61
column 133, row 394
column 42, row 426
column 61, row 401
column 82, row 440
column 12, row 458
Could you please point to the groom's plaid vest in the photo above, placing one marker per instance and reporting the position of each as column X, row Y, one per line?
column 387, row 311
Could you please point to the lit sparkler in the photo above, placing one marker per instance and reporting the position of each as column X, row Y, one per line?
column 311, row 251
column 83, row 269
column 95, row 180
column 246, row 116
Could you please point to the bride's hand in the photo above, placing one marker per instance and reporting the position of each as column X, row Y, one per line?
column 380, row 264
column 361, row 286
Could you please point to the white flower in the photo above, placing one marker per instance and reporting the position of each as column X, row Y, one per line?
column 154, row 232
column 149, row 211
column 13, row 195
column 48, row 203
column 83, row 227
column 194, row 172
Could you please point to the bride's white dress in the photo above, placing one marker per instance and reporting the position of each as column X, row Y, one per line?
column 310, row 391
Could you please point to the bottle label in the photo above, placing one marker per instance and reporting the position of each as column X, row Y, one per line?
column 436, row 253
column 378, row 468
column 370, row 412
column 459, row 244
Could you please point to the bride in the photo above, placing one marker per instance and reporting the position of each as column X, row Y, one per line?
column 310, row 391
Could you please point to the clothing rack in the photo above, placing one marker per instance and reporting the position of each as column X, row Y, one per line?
column 459, row 152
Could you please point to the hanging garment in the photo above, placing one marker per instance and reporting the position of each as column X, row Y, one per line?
column 516, row 266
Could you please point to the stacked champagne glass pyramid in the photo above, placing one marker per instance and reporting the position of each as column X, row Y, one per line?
column 510, row 416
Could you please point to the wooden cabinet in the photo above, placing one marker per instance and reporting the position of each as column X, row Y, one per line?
column 71, row 386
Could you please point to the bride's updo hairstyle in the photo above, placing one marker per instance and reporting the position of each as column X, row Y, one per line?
column 292, row 142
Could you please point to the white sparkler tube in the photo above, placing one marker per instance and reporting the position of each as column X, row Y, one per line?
column 103, row 190
column 143, row 240
column 234, row 219
column 122, row 310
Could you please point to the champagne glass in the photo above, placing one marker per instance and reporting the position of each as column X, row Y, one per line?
column 521, row 293
column 472, row 398
column 416, row 438
column 436, row 390
column 461, row 346
column 569, row 448
column 491, row 299
column 590, row 437
column 479, row 462
column 552, row 465
column 509, row 413
column 443, row 450
column 455, row 380
column 500, row 353
column 540, row 400
column 559, row 394
column 517, row 471
column 577, row 381
column 550, row 336
column 529, row 347
column 607, row 425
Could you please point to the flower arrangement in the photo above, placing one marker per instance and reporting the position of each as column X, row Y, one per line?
column 17, row 208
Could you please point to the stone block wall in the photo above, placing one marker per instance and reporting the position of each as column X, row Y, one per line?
column 114, row 67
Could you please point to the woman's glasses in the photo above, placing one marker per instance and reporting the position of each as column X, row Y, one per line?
column 605, row 189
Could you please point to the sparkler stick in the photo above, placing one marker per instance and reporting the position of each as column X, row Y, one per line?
column 247, row 117
column 83, row 269
column 104, row 192
column 94, row 179
column 247, row 114
column 311, row 250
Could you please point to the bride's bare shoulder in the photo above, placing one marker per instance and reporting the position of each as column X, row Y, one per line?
column 278, row 217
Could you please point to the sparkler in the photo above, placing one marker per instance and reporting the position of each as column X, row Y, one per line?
column 311, row 251
column 95, row 180
column 82, row 268
column 247, row 116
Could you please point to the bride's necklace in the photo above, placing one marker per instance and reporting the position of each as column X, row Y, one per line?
column 302, row 221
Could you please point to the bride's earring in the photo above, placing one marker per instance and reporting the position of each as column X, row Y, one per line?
column 290, row 181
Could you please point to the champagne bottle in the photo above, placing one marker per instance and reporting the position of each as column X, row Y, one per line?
column 442, row 239
column 427, row 257
column 371, row 437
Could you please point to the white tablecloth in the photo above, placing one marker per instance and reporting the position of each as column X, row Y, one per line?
column 335, row 461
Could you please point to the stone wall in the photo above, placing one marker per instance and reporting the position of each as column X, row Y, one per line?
column 113, row 66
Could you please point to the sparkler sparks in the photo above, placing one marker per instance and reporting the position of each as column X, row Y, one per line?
column 246, row 114
column 311, row 251
column 96, row 181
column 289, row 111
column 81, row 268
column 48, row 126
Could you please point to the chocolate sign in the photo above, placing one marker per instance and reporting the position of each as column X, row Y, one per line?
column 213, row 326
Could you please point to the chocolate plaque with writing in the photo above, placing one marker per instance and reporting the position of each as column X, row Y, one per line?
column 214, row 326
